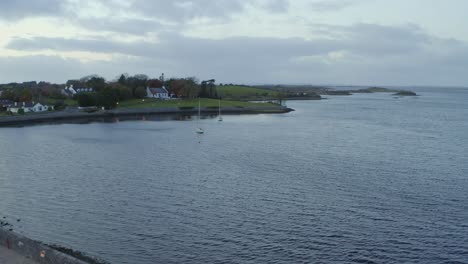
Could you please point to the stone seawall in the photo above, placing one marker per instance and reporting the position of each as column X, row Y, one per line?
column 34, row 250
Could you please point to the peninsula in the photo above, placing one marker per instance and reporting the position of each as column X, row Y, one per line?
column 92, row 99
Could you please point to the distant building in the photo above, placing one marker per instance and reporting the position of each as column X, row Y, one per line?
column 4, row 104
column 38, row 107
column 28, row 107
column 158, row 93
column 71, row 91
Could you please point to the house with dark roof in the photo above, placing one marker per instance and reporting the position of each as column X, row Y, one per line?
column 71, row 91
column 4, row 104
column 158, row 93
column 28, row 107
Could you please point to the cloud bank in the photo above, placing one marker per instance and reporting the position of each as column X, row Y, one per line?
column 153, row 37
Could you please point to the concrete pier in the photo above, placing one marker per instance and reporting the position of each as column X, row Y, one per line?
column 18, row 249
column 8, row 256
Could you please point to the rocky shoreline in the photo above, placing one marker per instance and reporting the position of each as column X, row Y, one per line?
column 40, row 252
column 131, row 113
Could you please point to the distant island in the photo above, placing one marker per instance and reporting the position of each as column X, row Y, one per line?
column 310, row 92
column 405, row 93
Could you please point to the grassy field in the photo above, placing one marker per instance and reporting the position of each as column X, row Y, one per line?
column 69, row 102
column 234, row 91
column 205, row 102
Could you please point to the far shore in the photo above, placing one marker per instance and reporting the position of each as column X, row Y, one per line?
column 79, row 116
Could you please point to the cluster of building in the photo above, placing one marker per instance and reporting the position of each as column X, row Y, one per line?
column 157, row 93
column 70, row 91
column 14, row 107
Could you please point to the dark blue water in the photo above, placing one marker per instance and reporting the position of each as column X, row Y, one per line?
column 364, row 179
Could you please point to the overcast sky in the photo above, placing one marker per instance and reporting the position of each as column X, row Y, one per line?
column 368, row 42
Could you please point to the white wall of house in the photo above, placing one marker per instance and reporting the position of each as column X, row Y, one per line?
column 159, row 95
column 40, row 108
column 15, row 109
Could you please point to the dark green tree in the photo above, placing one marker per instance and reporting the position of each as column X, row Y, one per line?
column 124, row 93
column 208, row 89
column 86, row 99
column 9, row 94
column 140, row 92
column 98, row 83
column 108, row 98
column 122, row 80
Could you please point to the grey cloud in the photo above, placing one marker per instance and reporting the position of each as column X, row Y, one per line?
column 127, row 26
column 382, row 40
column 29, row 68
column 62, row 44
column 330, row 5
column 372, row 54
column 180, row 47
column 277, row 6
column 18, row 9
column 360, row 39
column 183, row 10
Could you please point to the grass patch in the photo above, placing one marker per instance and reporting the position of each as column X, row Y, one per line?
column 68, row 101
column 234, row 91
column 182, row 104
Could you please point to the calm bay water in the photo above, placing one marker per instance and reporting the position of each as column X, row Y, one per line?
column 366, row 178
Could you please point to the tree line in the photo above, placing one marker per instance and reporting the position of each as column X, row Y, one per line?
column 107, row 94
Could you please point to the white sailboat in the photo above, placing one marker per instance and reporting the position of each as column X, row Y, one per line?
column 220, row 118
column 199, row 129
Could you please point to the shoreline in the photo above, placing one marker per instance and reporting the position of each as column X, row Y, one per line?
column 64, row 117
column 39, row 252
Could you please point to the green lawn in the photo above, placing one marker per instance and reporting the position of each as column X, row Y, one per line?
column 68, row 101
column 234, row 91
column 205, row 102
column 4, row 114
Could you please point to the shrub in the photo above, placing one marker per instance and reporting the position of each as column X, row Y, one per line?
column 86, row 99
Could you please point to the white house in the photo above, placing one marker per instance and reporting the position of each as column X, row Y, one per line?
column 28, row 107
column 158, row 93
column 71, row 91
column 38, row 107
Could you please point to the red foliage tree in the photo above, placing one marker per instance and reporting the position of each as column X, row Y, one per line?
column 155, row 83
